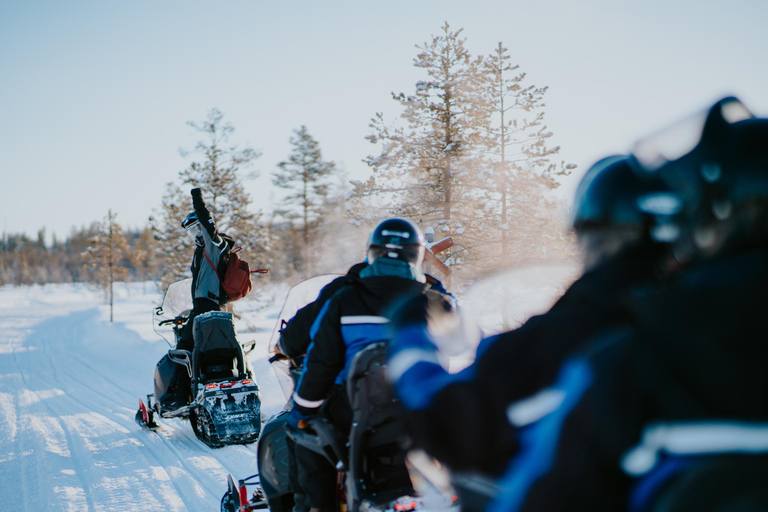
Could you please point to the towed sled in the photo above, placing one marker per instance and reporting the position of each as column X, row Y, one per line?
column 225, row 405
column 371, row 460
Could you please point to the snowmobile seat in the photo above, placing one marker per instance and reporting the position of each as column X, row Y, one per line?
column 217, row 354
column 377, row 469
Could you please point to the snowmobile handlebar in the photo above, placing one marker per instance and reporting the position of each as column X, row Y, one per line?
column 179, row 320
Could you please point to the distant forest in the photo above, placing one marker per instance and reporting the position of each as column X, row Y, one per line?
column 25, row 260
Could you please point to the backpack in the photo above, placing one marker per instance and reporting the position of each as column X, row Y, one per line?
column 236, row 277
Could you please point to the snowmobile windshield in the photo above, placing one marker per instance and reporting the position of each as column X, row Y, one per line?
column 299, row 295
column 504, row 301
column 178, row 298
column 177, row 301
column 682, row 137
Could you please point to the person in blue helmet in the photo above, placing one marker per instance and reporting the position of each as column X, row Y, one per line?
column 349, row 321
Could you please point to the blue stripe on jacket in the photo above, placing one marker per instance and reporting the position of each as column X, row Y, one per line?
column 356, row 337
column 538, row 443
column 421, row 378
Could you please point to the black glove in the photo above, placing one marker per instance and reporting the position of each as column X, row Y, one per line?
column 421, row 309
column 197, row 192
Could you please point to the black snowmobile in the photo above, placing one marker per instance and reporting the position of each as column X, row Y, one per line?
column 371, row 462
column 225, row 406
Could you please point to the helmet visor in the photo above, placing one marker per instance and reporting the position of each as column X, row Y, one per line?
column 194, row 230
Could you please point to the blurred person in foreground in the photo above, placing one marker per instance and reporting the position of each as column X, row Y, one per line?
column 669, row 412
column 667, row 409
column 470, row 420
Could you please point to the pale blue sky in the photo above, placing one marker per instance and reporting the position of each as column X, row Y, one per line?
column 94, row 95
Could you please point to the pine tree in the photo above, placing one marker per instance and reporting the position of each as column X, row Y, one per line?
column 145, row 266
column 521, row 222
column 218, row 175
column 105, row 256
column 425, row 169
column 307, row 178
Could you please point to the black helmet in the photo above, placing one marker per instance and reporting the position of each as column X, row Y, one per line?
column 396, row 238
column 189, row 220
column 616, row 208
column 613, row 195
column 722, row 180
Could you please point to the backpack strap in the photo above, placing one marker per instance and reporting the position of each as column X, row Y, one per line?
column 211, row 264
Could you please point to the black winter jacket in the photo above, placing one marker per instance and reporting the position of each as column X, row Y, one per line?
column 294, row 338
column 348, row 322
column 693, row 354
column 466, row 425
column 205, row 279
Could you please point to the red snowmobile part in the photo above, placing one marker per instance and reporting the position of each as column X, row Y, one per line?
column 145, row 416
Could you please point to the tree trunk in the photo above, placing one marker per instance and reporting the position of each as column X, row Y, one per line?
column 110, row 248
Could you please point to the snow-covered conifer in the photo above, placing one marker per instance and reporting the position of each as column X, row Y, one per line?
column 517, row 170
column 217, row 173
column 422, row 171
column 307, row 178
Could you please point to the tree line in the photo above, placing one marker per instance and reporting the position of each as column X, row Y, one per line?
column 468, row 156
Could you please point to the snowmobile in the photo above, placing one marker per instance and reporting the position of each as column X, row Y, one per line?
column 371, row 461
column 226, row 405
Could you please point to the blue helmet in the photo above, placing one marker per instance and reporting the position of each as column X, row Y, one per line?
column 189, row 220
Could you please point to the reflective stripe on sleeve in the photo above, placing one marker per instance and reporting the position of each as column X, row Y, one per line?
column 404, row 361
column 363, row 319
column 694, row 438
column 532, row 409
column 309, row 404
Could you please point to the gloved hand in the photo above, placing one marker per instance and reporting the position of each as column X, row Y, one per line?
column 197, row 192
column 298, row 420
column 423, row 309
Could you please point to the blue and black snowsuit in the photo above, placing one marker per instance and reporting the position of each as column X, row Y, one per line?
column 348, row 322
column 294, row 337
column 669, row 412
column 462, row 419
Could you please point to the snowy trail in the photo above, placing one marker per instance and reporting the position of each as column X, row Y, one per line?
column 69, row 388
column 70, row 382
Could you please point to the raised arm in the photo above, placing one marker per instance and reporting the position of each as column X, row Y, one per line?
column 204, row 216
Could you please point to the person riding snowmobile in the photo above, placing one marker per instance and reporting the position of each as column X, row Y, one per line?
column 462, row 419
column 211, row 249
column 669, row 412
column 295, row 336
column 348, row 322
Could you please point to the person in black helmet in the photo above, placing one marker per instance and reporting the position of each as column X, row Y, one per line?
column 464, row 419
column 211, row 250
column 348, row 322
column 669, row 412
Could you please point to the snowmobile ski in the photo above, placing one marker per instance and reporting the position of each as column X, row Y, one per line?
column 235, row 499
column 145, row 415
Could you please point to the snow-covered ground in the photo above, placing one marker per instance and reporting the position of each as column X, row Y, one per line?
column 69, row 387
